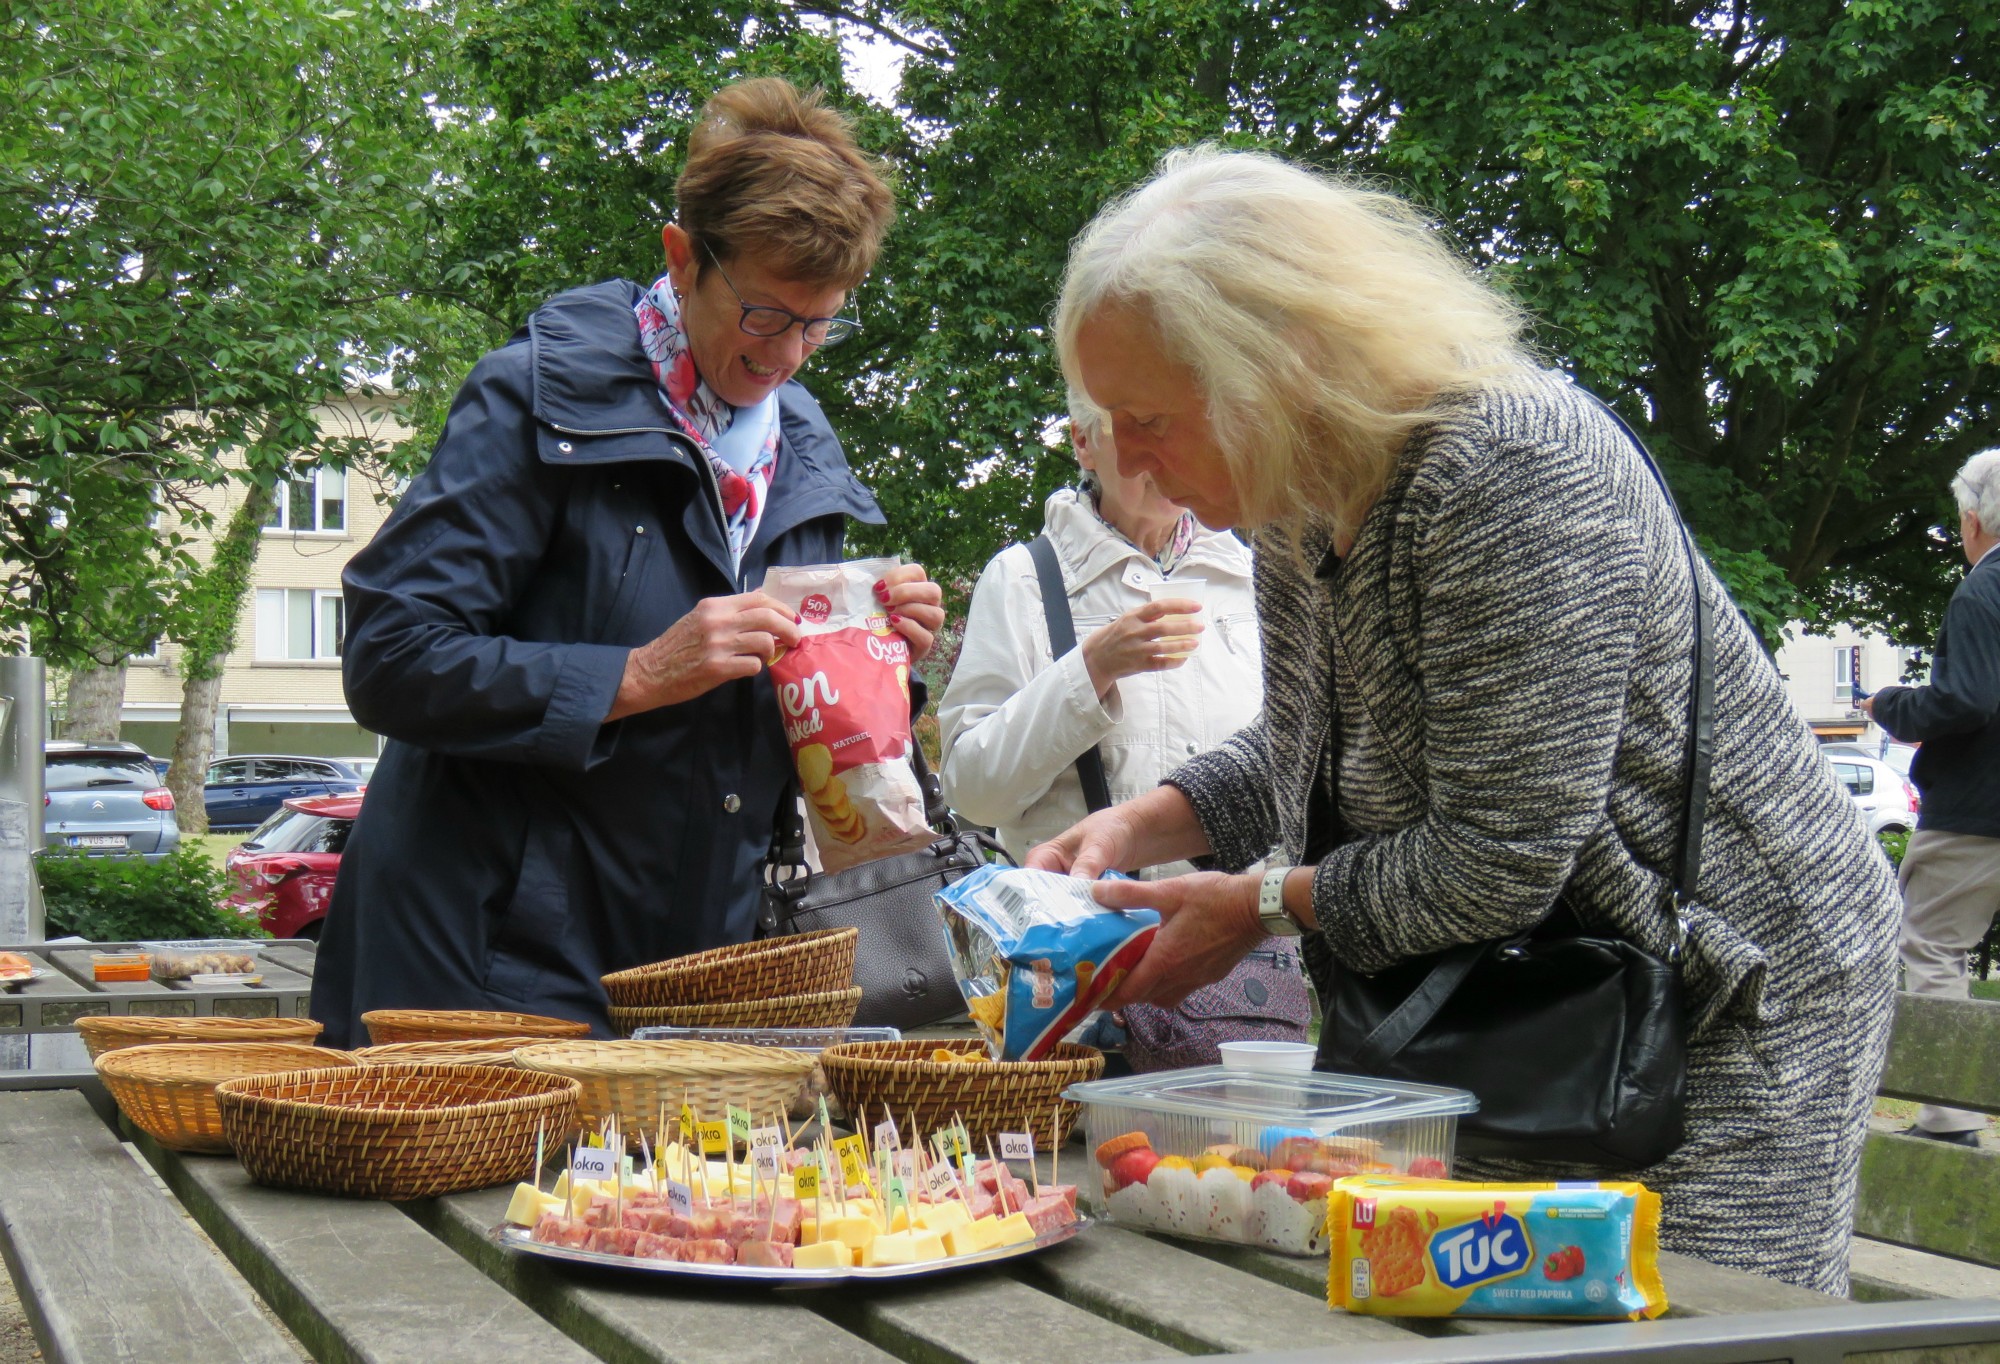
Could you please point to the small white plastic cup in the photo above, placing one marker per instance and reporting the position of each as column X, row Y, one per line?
column 1183, row 589
column 1268, row 1056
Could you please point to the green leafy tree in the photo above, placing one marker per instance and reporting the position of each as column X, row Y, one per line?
column 211, row 221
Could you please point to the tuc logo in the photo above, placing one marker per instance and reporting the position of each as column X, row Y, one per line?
column 816, row 608
column 1491, row 1248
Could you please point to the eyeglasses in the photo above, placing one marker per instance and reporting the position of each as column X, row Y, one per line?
column 762, row 319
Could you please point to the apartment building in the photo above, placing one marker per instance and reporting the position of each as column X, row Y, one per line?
column 1822, row 672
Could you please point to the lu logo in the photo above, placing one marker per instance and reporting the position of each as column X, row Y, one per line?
column 1472, row 1253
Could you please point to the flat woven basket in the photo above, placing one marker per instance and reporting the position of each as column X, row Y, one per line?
column 900, row 1079
column 459, row 1025
column 102, row 1034
column 632, row 1079
column 396, row 1132
column 809, row 963
column 168, row 1090
column 473, row 1051
column 833, row 1009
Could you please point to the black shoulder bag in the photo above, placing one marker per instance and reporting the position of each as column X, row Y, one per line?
column 1575, row 1043
column 900, row 963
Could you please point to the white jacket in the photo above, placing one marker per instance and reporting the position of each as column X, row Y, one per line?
column 1013, row 725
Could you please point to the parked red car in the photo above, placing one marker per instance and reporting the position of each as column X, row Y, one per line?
column 284, row 871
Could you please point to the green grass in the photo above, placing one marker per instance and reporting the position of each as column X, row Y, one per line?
column 213, row 846
column 1986, row 989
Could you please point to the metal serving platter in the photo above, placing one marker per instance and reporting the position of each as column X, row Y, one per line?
column 510, row 1237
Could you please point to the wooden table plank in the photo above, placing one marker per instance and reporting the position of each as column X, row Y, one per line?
column 107, row 1267
column 635, row 1317
column 981, row 1318
column 357, row 1280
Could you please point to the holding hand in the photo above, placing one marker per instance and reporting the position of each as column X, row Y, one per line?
column 916, row 607
column 1208, row 921
column 722, row 639
column 1147, row 639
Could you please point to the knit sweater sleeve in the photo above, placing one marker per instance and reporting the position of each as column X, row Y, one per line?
column 1232, row 790
column 1532, row 585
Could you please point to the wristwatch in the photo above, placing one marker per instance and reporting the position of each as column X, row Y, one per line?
column 1271, row 911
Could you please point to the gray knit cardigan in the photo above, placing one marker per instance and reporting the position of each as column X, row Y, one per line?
column 1492, row 687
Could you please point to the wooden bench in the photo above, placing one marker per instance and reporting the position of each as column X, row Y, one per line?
column 1928, row 1220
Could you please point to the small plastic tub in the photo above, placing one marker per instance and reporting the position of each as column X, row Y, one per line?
column 1249, row 1157
column 121, row 966
column 192, row 957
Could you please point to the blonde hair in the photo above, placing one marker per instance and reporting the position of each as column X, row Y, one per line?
column 776, row 174
column 1323, row 321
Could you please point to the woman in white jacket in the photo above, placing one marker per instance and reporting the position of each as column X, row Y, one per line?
column 1015, row 721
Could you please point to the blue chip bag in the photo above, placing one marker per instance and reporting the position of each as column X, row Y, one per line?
column 1034, row 954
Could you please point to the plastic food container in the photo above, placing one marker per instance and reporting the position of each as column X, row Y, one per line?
column 188, row 958
column 1249, row 1157
column 121, row 965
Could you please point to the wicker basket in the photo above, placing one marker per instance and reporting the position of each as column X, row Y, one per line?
column 833, row 1009
column 900, row 1079
column 102, row 1033
column 397, row 1132
column 460, row 1025
column 473, row 1051
column 168, row 1090
column 798, row 964
column 632, row 1079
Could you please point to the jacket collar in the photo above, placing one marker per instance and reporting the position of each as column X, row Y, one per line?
column 1088, row 548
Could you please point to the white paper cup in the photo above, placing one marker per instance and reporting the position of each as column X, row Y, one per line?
column 1184, row 589
column 1278, row 1056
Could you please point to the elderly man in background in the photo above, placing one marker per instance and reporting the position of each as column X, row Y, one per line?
column 1951, row 872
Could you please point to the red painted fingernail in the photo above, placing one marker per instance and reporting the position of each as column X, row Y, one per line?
column 881, row 591
column 895, row 619
column 798, row 620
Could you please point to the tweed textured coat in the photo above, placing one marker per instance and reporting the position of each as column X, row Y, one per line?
column 1486, row 701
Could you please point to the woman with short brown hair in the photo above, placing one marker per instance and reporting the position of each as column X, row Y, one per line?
column 558, row 629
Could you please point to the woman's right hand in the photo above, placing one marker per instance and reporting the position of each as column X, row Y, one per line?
column 1099, row 843
column 722, row 639
column 1147, row 639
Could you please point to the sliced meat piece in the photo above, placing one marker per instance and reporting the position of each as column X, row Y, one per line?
column 765, row 1254
column 614, row 1241
column 710, row 1252
column 1050, row 1212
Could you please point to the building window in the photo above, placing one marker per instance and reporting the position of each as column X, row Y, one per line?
column 314, row 501
column 299, row 623
column 1846, row 671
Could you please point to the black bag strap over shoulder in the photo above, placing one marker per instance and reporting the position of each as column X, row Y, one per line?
column 1062, row 638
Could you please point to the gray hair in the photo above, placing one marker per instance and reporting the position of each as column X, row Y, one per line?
column 1084, row 419
column 1977, row 488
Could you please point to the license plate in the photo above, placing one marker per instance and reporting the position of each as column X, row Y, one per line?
column 97, row 840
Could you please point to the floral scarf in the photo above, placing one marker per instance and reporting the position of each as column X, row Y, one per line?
column 741, row 443
column 1171, row 553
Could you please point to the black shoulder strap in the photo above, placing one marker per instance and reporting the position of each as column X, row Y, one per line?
column 1062, row 638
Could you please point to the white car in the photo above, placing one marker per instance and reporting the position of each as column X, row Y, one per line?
column 1884, row 794
column 1898, row 756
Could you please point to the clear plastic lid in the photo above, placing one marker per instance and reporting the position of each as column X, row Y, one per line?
column 809, row 1040
column 1314, row 1101
column 247, row 946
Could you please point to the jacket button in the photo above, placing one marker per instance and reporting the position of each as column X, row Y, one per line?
column 638, row 530
column 1191, row 748
column 730, row 804
column 564, row 446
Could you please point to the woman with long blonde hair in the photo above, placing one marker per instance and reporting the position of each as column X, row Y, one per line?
column 1479, row 617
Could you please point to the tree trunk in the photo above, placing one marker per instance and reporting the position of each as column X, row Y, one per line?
column 96, row 698
column 194, row 747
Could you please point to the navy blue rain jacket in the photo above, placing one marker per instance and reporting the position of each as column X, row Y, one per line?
column 513, row 846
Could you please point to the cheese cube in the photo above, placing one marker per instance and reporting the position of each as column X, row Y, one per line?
column 824, row 1255
column 528, row 1204
column 969, row 1238
column 891, row 1248
column 900, row 1220
column 942, row 1217
column 1015, row 1229
column 855, row 1231
column 561, row 1189
column 927, row 1245
column 808, row 1230
column 580, row 1196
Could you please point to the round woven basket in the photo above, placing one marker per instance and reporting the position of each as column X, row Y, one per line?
column 899, row 1078
column 473, row 1051
column 460, row 1025
column 103, row 1034
column 632, row 1079
column 396, row 1132
column 798, row 964
column 168, row 1090
column 833, row 1009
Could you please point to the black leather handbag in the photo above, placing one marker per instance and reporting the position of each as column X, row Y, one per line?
column 900, row 962
column 1574, row 1042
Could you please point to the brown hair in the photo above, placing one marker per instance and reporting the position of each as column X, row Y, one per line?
column 775, row 173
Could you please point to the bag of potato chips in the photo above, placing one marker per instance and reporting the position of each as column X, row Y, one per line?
column 844, row 697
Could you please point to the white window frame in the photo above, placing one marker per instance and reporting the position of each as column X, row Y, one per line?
column 320, row 480
column 273, row 624
column 1843, row 672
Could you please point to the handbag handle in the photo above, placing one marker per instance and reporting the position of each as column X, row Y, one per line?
column 1062, row 638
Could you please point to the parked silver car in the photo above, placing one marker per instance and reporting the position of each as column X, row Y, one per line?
column 105, row 798
column 1884, row 794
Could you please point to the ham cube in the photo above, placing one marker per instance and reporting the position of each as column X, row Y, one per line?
column 1066, row 1192
column 614, row 1241
column 556, row 1230
column 764, row 1254
column 710, row 1252
column 1050, row 1212
column 651, row 1247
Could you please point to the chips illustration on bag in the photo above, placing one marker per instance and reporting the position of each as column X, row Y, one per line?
column 844, row 698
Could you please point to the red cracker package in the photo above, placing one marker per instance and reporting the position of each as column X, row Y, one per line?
column 844, row 695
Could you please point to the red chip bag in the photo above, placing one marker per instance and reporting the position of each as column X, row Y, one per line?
column 844, row 697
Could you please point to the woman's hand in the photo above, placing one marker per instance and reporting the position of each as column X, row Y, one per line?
column 1207, row 922
column 916, row 606
column 722, row 639
column 1146, row 639
column 1098, row 843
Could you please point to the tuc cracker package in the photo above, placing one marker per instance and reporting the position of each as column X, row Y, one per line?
column 1033, row 954
column 844, row 696
column 1434, row 1248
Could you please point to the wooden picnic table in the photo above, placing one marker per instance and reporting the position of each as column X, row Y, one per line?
column 108, row 1270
